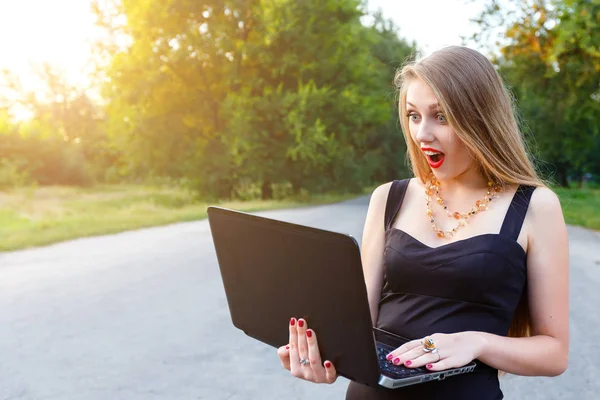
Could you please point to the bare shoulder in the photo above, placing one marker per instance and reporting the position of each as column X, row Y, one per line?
column 545, row 213
column 544, row 201
column 381, row 192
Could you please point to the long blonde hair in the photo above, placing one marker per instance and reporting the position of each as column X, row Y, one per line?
column 478, row 107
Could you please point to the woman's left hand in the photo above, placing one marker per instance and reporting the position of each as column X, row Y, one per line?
column 453, row 351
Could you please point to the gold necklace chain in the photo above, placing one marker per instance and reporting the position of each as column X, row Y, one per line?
column 433, row 186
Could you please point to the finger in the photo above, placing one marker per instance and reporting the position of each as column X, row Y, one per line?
column 314, row 356
column 410, row 357
column 284, row 356
column 424, row 359
column 294, row 357
column 441, row 365
column 408, row 346
column 401, row 357
column 330, row 372
column 302, row 343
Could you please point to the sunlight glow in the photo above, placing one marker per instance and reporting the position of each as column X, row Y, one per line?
column 36, row 31
column 61, row 32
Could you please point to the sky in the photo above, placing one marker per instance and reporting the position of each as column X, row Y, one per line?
column 431, row 23
column 60, row 31
column 36, row 31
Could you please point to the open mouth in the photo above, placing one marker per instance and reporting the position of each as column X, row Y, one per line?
column 435, row 158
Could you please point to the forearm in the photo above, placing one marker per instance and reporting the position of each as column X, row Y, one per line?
column 539, row 355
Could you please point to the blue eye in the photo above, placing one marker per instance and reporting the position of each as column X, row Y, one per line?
column 413, row 116
column 441, row 118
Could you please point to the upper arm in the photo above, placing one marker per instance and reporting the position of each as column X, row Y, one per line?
column 373, row 243
column 548, row 268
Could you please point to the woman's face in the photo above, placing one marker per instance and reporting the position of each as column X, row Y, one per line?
column 446, row 154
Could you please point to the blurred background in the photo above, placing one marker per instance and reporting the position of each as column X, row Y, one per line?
column 122, row 114
column 118, row 114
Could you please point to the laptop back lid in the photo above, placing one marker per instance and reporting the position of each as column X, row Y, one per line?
column 274, row 270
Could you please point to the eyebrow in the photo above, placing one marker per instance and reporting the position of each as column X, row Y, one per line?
column 431, row 106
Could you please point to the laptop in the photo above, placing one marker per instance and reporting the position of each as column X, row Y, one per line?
column 274, row 270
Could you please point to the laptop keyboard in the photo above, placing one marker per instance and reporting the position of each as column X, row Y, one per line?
column 395, row 371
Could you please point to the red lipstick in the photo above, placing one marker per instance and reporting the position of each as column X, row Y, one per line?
column 439, row 158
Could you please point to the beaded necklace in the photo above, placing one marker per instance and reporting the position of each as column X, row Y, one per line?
column 433, row 186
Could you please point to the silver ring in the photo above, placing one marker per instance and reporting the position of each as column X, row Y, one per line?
column 304, row 361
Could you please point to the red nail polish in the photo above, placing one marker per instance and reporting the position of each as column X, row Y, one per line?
column 300, row 323
column 390, row 356
column 408, row 362
column 396, row 361
column 287, row 347
column 309, row 333
column 327, row 364
column 429, row 366
column 292, row 322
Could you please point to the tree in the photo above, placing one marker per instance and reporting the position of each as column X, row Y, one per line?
column 62, row 143
column 552, row 62
column 267, row 92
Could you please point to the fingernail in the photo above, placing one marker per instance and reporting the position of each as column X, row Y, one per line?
column 287, row 347
column 300, row 323
column 408, row 362
column 429, row 366
column 327, row 364
column 309, row 333
column 396, row 360
column 390, row 356
column 292, row 322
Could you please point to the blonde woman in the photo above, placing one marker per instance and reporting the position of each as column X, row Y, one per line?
column 471, row 255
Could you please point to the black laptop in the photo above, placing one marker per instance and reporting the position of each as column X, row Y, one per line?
column 274, row 270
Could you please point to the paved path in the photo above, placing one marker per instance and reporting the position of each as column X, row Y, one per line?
column 142, row 315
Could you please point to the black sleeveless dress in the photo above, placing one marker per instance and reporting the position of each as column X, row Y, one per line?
column 473, row 284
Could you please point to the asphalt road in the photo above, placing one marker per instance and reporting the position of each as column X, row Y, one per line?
column 142, row 315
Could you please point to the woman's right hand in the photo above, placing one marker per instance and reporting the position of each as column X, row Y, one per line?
column 303, row 345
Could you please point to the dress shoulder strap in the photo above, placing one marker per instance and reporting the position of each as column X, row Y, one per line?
column 394, row 201
column 513, row 221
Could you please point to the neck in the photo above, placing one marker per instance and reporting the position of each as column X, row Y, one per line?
column 465, row 185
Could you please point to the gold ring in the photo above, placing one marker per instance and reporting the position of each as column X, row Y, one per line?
column 428, row 345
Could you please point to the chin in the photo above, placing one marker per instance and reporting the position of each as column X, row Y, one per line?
column 439, row 175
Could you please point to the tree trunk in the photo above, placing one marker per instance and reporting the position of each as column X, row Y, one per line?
column 296, row 187
column 267, row 190
column 561, row 171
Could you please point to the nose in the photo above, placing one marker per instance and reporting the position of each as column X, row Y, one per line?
column 424, row 133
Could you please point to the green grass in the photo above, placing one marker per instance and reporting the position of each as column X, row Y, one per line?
column 39, row 216
column 581, row 206
column 32, row 217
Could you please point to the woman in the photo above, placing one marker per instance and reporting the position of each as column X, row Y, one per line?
column 471, row 253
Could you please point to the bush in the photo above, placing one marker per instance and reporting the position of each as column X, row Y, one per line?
column 13, row 174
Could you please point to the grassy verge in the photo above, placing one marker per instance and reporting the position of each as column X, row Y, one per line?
column 35, row 217
column 39, row 216
column 581, row 206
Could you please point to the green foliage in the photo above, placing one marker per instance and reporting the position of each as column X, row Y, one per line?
column 552, row 62
column 12, row 174
column 63, row 143
column 253, row 93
